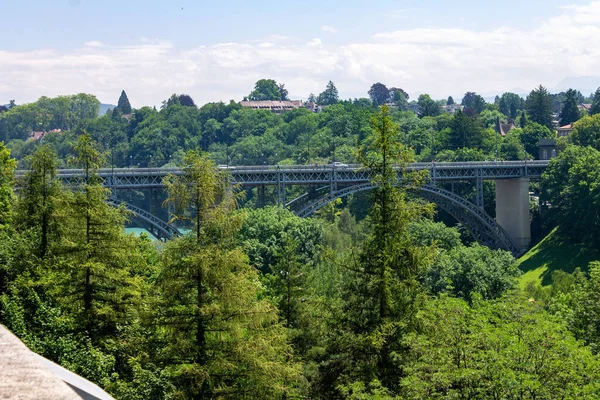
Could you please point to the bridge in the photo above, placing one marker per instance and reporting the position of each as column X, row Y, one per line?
column 510, row 230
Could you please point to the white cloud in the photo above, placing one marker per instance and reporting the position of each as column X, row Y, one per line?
column 328, row 28
column 436, row 61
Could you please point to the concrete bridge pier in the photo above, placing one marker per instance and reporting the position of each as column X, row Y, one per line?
column 512, row 209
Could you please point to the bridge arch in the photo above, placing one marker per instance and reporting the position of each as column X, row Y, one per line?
column 482, row 227
column 158, row 228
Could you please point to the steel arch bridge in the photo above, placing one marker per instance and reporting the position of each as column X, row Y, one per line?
column 482, row 227
column 336, row 182
column 158, row 228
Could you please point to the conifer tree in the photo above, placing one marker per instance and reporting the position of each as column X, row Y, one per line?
column 123, row 104
column 40, row 196
column 381, row 296
column 570, row 111
column 94, row 279
column 7, row 167
column 223, row 341
column 595, row 109
column 539, row 106
column 329, row 96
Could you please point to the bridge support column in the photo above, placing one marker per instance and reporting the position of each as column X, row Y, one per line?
column 512, row 209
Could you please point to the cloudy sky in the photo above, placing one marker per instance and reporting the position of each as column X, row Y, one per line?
column 216, row 50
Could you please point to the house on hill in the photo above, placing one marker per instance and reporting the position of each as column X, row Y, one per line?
column 504, row 129
column 38, row 135
column 565, row 130
column 272, row 105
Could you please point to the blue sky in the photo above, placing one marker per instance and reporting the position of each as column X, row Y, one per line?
column 216, row 50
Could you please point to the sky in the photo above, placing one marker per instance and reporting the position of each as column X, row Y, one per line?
column 217, row 50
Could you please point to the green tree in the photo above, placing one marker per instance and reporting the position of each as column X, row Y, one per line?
column 595, row 109
column 464, row 131
column 380, row 296
column 428, row 107
column 466, row 271
column 509, row 349
column 265, row 89
column 586, row 132
column 538, row 107
column 450, row 101
column 40, row 196
column 531, row 136
column 571, row 184
column 7, row 167
column 92, row 274
column 329, row 96
column 222, row 340
column 379, row 94
column 123, row 104
column 474, row 101
column 510, row 104
column 570, row 111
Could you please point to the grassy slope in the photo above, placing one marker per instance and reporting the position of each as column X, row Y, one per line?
column 553, row 254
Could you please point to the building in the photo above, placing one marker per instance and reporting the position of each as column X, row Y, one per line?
column 38, row 135
column 565, row 130
column 503, row 129
column 272, row 105
column 452, row 108
column 547, row 149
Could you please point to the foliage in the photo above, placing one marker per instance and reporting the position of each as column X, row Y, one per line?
column 532, row 134
column 379, row 94
column 586, row 132
column 427, row 106
column 265, row 89
column 472, row 271
column 572, row 185
column 223, row 341
column 595, row 109
column 509, row 349
column 464, row 132
column 123, row 105
column 538, row 107
column 7, row 166
column 265, row 230
column 569, row 112
column 473, row 101
column 510, row 104
column 329, row 96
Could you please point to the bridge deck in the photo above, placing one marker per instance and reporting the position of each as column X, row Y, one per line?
column 130, row 178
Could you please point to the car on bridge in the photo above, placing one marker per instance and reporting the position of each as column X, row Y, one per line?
column 337, row 164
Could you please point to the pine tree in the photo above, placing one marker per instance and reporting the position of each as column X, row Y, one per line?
column 329, row 96
column 40, row 197
column 381, row 295
column 223, row 341
column 539, row 106
column 93, row 262
column 569, row 112
column 450, row 101
column 7, row 167
column 523, row 120
column 595, row 109
column 123, row 104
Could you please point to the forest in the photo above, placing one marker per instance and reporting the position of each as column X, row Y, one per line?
column 376, row 297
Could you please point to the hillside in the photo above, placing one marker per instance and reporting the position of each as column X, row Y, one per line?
column 552, row 254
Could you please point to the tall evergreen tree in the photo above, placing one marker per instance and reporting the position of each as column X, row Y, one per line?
column 329, row 96
column 464, row 131
column 450, row 101
column 381, row 294
column 40, row 196
column 123, row 104
column 95, row 258
column 223, row 341
column 7, row 167
column 539, row 106
column 570, row 111
column 595, row 109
